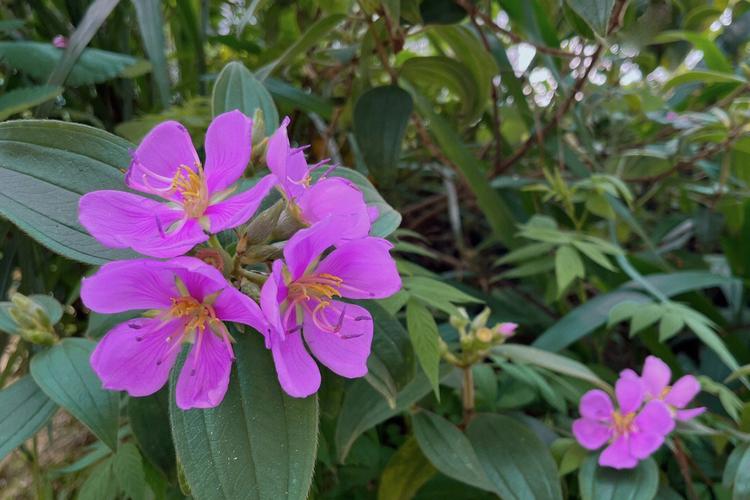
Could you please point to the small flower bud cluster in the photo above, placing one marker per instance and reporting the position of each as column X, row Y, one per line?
column 33, row 323
column 476, row 338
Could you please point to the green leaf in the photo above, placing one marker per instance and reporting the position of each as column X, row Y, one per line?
column 525, row 253
column 604, row 483
column 584, row 319
column 468, row 49
column 595, row 12
column 622, row 311
column 237, row 88
column 593, row 252
column 424, row 335
column 308, row 40
column 151, row 26
column 24, row 409
column 65, row 375
column 100, row 483
column 709, row 337
column 149, row 420
column 646, row 316
column 560, row 364
column 47, row 165
column 379, row 135
column 38, row 59
column 568, row 267
column 391, row 362
column 437, row 294
column 712, row 54
column 49, row 305
column 291, row 96
column 490, row 202
column 258, row 433
column 737, row 472
column 363, row 408
column 21, row 99
column 702, row 76
column 128, row 469
column 449, row 450
column 515, row 460
column 405, row 473
column 434, row 73
column 670, row 325
column 388, row 218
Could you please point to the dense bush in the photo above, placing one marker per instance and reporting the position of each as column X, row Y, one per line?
column 514, row 235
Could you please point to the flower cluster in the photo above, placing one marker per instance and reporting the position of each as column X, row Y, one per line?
column 188, row 299
column 648, row 408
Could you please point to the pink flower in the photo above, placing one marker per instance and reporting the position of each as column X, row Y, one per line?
column 299, row 299
column 633, row 433
column 507, row 330
column 196, row 198
column 656, row 376
column 60, row 42
column 190, row 301
column 312, row 203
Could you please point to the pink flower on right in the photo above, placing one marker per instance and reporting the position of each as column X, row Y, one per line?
column 648, row 408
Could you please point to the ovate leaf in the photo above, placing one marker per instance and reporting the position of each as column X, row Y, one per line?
column 605, row 483
column 405, row 473
column 237, row 88
column 515, row 460
column 596, row 13
column 568, row 267
column 45, row 167
column 24, row 409
column 379, row 134
column 424, row 335
column 65, row 375
column 259, row 443
column 128, row 469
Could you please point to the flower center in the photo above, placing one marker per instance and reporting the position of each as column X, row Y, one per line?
column 200, row 315
column 191, row 185
column 623, row 423
column 664, row 392
column 322, row 287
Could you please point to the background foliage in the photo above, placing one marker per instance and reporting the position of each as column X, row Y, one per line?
column 581, row 167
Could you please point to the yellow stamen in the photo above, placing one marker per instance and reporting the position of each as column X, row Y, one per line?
column 317, row 286
column 191, row 185
column 201, row 314
column 623, row 422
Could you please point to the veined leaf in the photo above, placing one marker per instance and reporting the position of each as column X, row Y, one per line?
column 424, row 335
column 237, row 88
column 45, row 167
column 24, row 409
column 258, row 433
column 21, row 99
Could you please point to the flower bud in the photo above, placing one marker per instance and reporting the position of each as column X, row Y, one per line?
column 507, row 330
column 260, row 229
column 212, row 257
column 288, row 224
column 480, row 320
column 459, row 322
column 33, row 323
column 259, row 130
column 485, row 335
column 261, row 253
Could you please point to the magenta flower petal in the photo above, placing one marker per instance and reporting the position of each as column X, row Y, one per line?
column 130, row 284
column 271, row 295
column 233, row 305
column 307, row 245
column 591, row 434
column 644, row 443
column 656, row 375
column 683, row 391
column 596, row 405
column 137, row 355
column 617, row 455
column 346, row 351
column 164, row 149
column 629, row 394
column 290, row 168
column 204, row 378
column 655, row 417
column 298, row 374
column 367, row 269
column 120, row 220
column 338, row 197
column 630, row 374
column 239, row 208
column 228, row 147
column 689, row 414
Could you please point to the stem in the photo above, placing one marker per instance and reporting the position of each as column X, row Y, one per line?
column 213, row 242
column 631, row 271
column 468, row 395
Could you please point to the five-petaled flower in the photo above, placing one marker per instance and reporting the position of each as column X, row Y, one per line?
column 197, row 198
column 656, row 376
column 309, row 201
column 189, row 302
column 299, row 300
column 633, row 433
